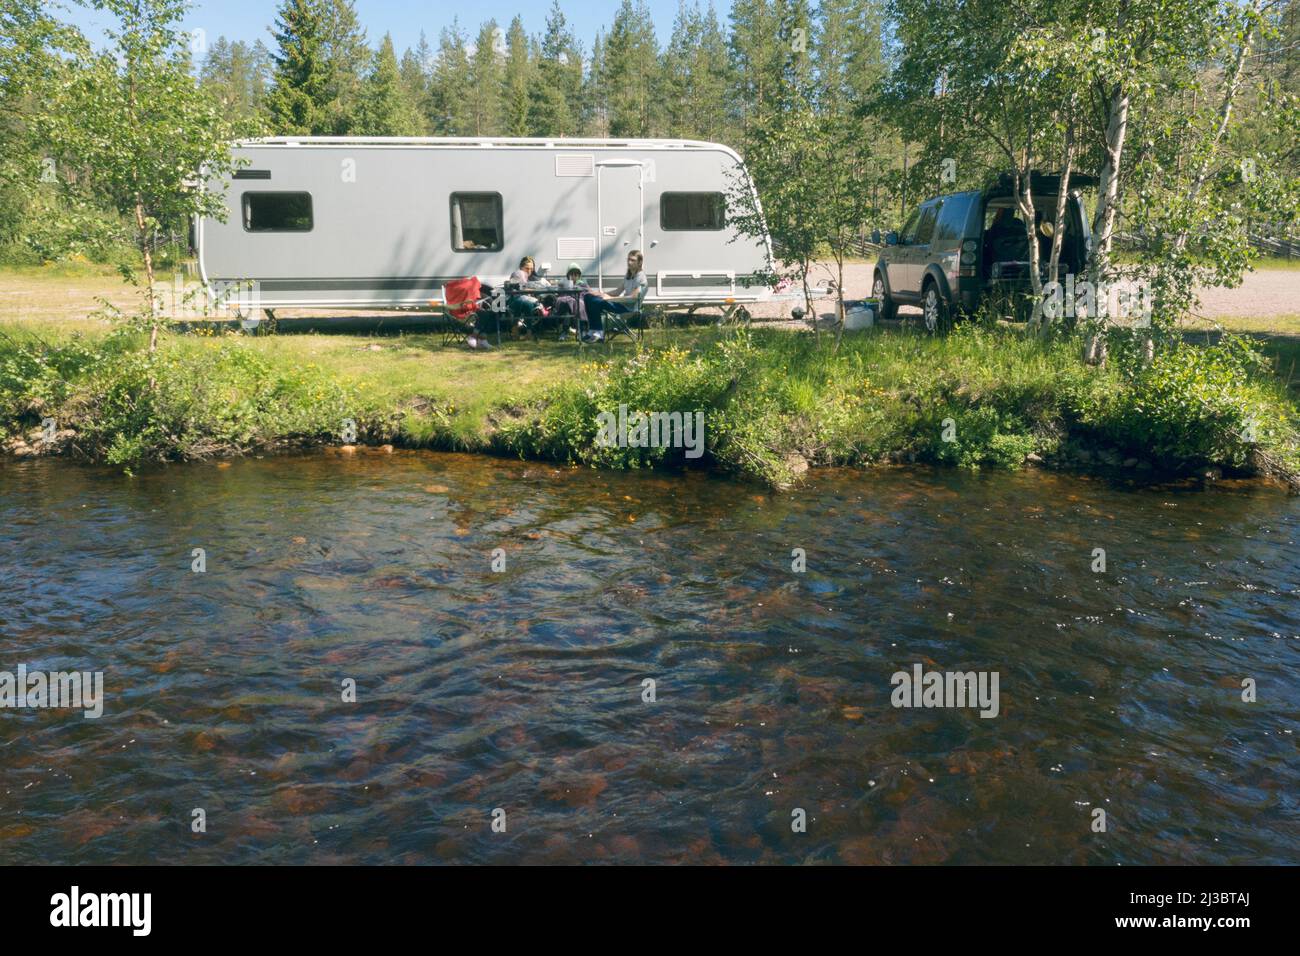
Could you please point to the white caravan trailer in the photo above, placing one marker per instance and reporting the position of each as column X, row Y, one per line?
column 366, row 222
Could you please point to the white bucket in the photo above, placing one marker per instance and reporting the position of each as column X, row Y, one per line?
column 861, row 316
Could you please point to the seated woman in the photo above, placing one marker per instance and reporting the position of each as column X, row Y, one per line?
column 522, row 281
column 634, row 282
column 597, row 302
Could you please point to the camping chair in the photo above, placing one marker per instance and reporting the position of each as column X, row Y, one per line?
column 621, row 323
column 570, row 311
column 462, row 299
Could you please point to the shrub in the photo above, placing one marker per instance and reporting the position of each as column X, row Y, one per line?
column 1194, row 404
column 219, row 396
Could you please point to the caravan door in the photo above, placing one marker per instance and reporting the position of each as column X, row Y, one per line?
column 619, row 189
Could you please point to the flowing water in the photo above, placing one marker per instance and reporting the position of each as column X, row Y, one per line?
column 522, row 690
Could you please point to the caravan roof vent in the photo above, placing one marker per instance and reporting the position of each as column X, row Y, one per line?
column 575, row 164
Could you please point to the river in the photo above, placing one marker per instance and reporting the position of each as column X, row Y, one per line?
column 500, row 622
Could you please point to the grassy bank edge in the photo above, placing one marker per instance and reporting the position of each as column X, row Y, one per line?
column 774, row 403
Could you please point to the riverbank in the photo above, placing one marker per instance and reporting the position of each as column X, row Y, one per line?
column 773, row 403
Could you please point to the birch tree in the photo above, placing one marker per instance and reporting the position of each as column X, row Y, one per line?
column 134, row 119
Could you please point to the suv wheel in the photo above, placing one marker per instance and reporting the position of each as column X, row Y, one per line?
column 934, row 310
column 878, row 292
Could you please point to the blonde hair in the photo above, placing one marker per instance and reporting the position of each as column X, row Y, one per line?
column 527, row 261
column 640, row 263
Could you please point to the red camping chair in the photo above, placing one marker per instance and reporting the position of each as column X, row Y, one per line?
column 461, row 301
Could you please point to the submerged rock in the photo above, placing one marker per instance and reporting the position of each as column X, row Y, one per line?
column 39, row 442
column 797, row 463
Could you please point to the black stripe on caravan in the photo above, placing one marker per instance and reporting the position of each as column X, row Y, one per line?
column 703, row 281
column 252, row 174
column 302, row 285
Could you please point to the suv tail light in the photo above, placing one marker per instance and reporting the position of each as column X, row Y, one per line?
column 969, row 258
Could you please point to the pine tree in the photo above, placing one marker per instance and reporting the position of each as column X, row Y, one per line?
column 487, row 81
column 214, row 73
column 797, row 78
column 449, row 87
column 558, row 85
column 297, row 101
column 695, row 79
column 757, row 55
column 383, row 109
column 414, row 72
column 678, row 76
column 712, row 81
column 848, row 52
column 234, row 74
column 632, row 72
column 595, row 104
column 259, row 73
column 517, row 81
column 348, row 56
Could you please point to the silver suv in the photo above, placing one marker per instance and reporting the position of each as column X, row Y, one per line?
column 956, row 250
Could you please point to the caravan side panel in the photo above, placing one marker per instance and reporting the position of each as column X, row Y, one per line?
column 381, row 220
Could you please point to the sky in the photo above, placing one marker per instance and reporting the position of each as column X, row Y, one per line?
column 249, row 20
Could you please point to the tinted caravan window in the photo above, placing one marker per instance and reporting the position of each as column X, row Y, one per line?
column 696, row 211
column 476, row 222
column 277, row 212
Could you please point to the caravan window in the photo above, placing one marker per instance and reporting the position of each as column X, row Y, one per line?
column 694, row 211
column 476, row 222
column 277, row 212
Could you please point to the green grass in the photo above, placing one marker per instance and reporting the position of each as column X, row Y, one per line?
column 772, row 400
column 1277, row 338
column 1285, row 324
column 1291, row 263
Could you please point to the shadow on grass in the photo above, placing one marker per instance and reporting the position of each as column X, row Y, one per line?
column 386, row 324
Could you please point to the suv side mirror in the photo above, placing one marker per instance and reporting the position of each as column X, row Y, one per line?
column 891, row 238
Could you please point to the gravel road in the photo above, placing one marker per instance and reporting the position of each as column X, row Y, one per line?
column 1268, row 292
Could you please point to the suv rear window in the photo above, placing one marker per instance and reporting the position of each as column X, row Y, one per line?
column 952, row 220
